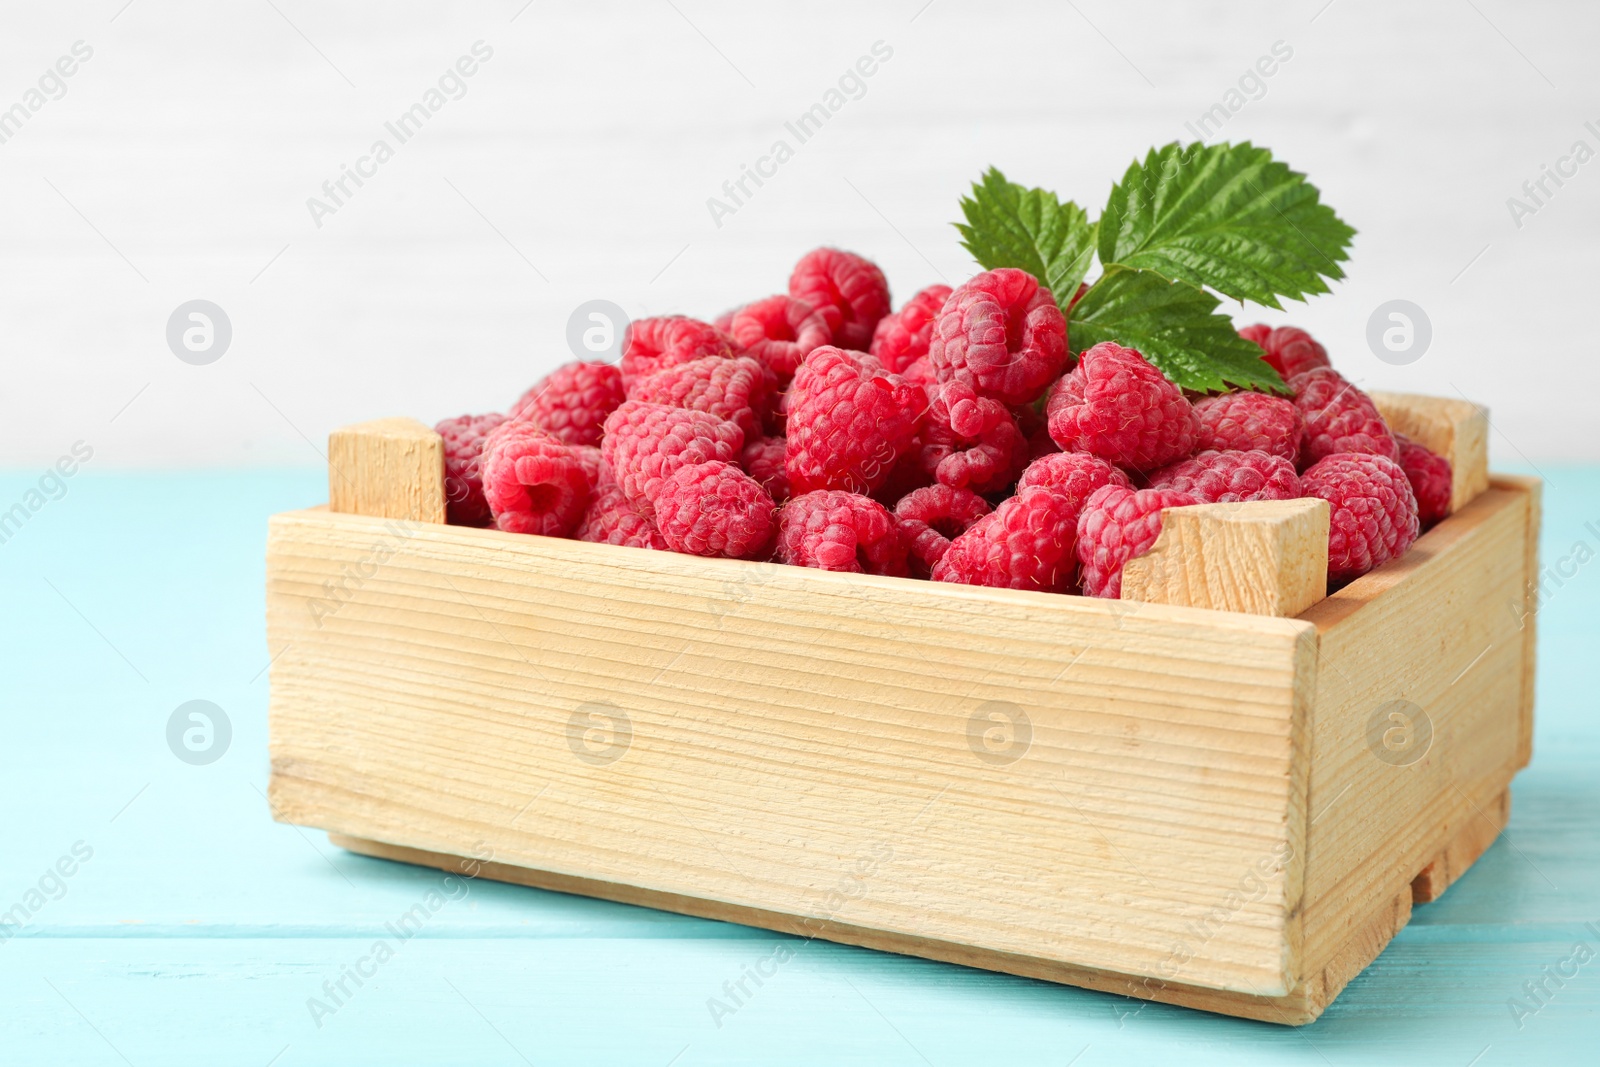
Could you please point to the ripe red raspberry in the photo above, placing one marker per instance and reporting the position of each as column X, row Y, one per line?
column 714, row 509
column 905, row 477
column 1338, row 418
column 1239, row 422
column 571, row 403
column 739, row 389
column 929, row 517
column 986, row 460
column 780, row 331
column 920, row 372
column 593, row 464
column 1117, row 406
column 611, row 520
column 649, row 345
column 644, row 443
column 533, row 483
column 1025, row 543
column 850, row 292
column 1075, row 475
column 1429, row 475
column 1373, row 512
column 902, row 338
column 464, row 504
column 763, row 461
column 837, row 531
column 1002, row 334
column 1214, row 477
column 1116, row 525
column 848, row 422
column 1040, row 443
column 1289, row 349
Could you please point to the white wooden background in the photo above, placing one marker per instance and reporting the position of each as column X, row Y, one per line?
column 178, row 164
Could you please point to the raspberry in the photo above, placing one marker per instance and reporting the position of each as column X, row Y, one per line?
column 1074, row 475
column 611, row 520
column 763, row 461
column 848, row 422
column 592, row 462
column 533, row 483
column 1429, row 475
column 1239, row 422
column 1002, row 334
column 1116, row 525
column 920, row 372
column 986, row 460
column 1338, row 418
column 780, row 331
column 1025, row 543
column 902, row 338
column 714, row 509
column 1289, row 349
column 906, row 476
column 1117, row 406
column 650, row 345
column 645, row 443
column 738, row 389
column 837, row 531
column 850, row 292
column 1373, row 512
column 1214, row 477
column 1040, row 443
column 929, row 517
column 463, row 478
column 572, row 402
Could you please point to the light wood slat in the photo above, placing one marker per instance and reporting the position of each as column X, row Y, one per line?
column 1526, row 608
column 1458, row 430
column 389, row 468
column 785, row 722
column 1472, row 837
column 1302, row 1005
column 1265, row 557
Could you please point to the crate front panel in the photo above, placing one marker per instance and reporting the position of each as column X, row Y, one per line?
column 1111, row 785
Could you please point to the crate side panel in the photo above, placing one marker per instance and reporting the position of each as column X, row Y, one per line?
column 1110, row 785
column 1416, row 726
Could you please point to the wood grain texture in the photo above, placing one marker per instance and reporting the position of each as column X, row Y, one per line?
column 1078, row 781
column 388, row 468
column 1264, row 557
column 765, row 744
column 1301, row 1005
column 1458, row 430
column 1418, row 711
column 1526, row 608
column 1479, row 829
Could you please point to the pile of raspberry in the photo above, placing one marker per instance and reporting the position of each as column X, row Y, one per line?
column 956, row 439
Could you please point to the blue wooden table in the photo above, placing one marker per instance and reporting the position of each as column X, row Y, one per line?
column 166, row 920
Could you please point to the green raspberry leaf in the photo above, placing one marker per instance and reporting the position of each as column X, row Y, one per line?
column 1224, row 216
column 1009, row 225
column 1175, row 326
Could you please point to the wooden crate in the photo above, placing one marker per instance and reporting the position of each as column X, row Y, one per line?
column 1231, row 809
